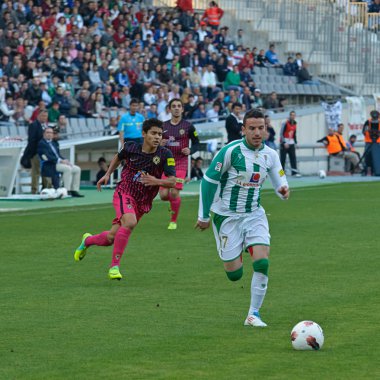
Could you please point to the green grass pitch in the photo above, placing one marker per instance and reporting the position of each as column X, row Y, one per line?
column 175, row 315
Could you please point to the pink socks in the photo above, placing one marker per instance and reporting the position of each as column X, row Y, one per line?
column 99, row 240
column 121, row 241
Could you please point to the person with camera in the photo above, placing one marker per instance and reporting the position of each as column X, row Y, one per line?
column 288, row 142
column 371, row 132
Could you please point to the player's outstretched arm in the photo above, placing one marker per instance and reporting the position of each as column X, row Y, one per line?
column 105, row 179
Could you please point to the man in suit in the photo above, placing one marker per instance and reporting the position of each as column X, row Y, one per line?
column 234, row 123
column 53, row 162
column 35, row 133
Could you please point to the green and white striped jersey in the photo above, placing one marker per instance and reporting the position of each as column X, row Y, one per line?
column 233, row 182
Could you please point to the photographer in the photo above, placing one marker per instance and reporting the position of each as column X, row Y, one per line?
column 371, row 132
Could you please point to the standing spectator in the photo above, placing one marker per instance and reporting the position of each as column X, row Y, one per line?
column 6, row 108
column 234, row 123
column 288, row 142
column 35, row 133
column 130, row 124
column 212, row 15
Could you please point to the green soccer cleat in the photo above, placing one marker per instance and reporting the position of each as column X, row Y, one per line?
column 172, row 226
column 80, row 252
column 114, row 273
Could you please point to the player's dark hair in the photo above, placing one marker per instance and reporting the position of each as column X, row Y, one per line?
column 134, row 101
column 150, row 123
column 175, row 100
column 254, row 113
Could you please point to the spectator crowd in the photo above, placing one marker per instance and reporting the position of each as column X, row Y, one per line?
column 84, row 58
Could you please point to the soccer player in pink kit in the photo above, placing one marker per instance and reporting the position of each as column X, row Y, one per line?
column 177, row 136
column 141, row 179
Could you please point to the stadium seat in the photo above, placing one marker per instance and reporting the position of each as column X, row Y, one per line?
column 266, row 89
column 91, row 126
column 272, row 71
column 307, row 89
column 4, row 131
column 99, row 126
column 292, row 89
column 22, row 131
column 300, row 89
column 84, row 128
column 279, row 71
column 13, row 130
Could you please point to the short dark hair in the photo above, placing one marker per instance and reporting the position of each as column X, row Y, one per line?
column 175, row 100
column 150, row 123
column 353, row 136
column 102, row 159
column 236, row 104
column 134, row 101
column 254, row 113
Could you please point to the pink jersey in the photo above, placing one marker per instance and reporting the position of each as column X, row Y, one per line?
column 137, row 162
column 179, row 137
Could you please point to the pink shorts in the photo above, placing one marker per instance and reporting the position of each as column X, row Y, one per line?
column 125, row 204
column 180, row 178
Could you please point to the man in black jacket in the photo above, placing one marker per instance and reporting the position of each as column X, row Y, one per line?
column 234, row 123
column 35, row 133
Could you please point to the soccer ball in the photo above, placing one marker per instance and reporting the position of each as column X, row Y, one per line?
column 322, row 174
column 61, row 192
column 48, row 194
column 307, row 335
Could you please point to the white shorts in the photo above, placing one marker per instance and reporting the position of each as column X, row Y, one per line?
column 234, row 234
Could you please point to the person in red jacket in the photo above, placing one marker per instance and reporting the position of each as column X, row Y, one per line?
column 213, row 15
column 185, row 5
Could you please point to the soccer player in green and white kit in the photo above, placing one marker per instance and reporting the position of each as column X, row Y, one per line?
column 231, row 189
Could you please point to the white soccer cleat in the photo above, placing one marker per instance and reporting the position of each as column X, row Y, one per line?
column 254, row 320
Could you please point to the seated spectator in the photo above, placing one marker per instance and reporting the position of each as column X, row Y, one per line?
column 271, row 134
column 271, row 102
column 53, row 112
column 374, row 7
column 199, row 115
column 247, row 98
column 258, row 100
column 111, row 128
column 165, row 115
column 53, row 162
column 289, row 67
column 61, row 126
column 233, row 80
column 271, row 57
column 208, row 84
column 213, row 113
column 196, row 170
column 261, row 59
column 336, row 146
column 304, row 76
column 103, row 167
column 6, row 108
column 298, row 62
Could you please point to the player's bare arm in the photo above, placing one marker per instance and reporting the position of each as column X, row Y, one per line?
column 104, row 180
column 149, row 180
